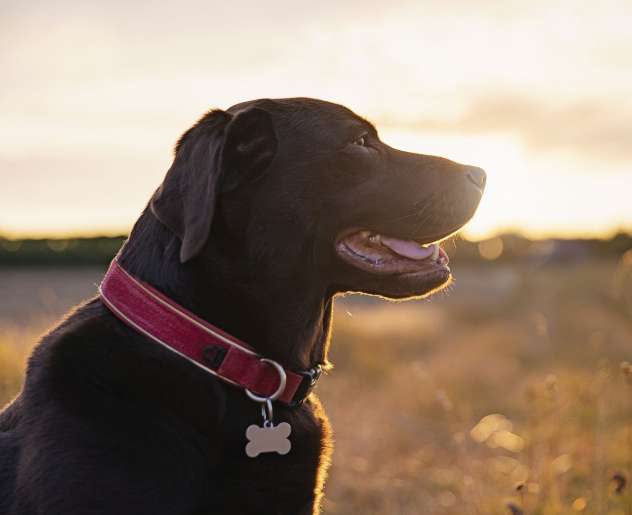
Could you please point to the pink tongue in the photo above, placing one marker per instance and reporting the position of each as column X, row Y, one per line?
column 407, row 248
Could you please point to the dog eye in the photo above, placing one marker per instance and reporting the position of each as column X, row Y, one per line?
column 362, row 141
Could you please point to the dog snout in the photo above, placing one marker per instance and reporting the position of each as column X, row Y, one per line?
column 476, row 176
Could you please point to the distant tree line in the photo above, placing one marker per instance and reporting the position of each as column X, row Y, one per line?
column 98, row 251
column 59, row 252
column 516, row 247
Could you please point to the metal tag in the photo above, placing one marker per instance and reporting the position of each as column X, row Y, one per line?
column 269, row 438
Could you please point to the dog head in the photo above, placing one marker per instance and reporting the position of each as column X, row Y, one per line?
column 301, row 188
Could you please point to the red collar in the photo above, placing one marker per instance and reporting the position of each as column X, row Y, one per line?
column 151, row 313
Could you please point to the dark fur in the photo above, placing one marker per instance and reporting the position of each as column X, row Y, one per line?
column 110, row 423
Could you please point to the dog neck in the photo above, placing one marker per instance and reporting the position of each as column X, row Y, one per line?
column 289, row 325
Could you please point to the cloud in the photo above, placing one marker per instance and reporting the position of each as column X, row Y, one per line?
column 595, row 130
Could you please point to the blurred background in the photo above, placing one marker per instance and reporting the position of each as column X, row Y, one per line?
column 509, row 393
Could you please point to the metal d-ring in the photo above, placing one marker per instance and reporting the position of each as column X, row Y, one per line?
column 279, row 390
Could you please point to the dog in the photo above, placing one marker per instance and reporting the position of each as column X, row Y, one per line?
column 270, row 209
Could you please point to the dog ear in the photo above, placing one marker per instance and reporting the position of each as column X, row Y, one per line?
column 185, row 201
column 215, row 155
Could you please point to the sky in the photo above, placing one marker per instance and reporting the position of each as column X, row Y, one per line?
column 93, row 96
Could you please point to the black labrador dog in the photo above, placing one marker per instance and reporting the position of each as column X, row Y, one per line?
column 269, row 210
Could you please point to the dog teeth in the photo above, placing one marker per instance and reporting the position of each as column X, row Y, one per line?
column 435, row 251
column 375, row 238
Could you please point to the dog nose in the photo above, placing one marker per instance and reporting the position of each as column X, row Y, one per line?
column 476, row 176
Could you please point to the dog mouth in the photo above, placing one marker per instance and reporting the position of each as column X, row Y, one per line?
column 382, row 254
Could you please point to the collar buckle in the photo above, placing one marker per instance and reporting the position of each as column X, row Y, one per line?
column 310, row 378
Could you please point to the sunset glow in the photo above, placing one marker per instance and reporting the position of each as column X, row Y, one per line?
column 536, row 93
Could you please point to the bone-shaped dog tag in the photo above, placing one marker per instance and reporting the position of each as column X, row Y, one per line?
column 269, row 438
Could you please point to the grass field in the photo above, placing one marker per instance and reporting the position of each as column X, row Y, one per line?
column 508, row 394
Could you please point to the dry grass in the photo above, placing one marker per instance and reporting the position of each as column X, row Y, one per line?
column 510, row 394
